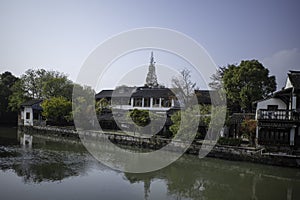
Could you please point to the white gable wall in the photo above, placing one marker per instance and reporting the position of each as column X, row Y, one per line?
column 272, row 101
column 28, row 121
column 288, row 84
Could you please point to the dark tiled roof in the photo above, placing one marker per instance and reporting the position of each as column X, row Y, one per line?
column 34, row 103
column 294, row 77
column 236, row 118
column 153, row 92
column 104, row 94
column 204, row 96
column 135, row 92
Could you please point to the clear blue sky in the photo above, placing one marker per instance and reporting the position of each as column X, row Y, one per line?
column 59, row 35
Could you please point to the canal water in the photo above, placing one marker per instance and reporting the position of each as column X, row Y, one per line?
column 52, row 169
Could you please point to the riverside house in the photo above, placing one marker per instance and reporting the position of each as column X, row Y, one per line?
column 278, row 116
column 31, row 112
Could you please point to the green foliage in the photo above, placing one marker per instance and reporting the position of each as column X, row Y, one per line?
column 7, row 80
column 216, row 78
column 17, row 97
column 101, row 105
column 189, row 118
column 140, row 117
column 245, row 83
column 230, row 141
column 175, row 118
column 57, row 109
column 248, row 128
column 204, row 115
column 83, row 102
column 185, row 122
column 37, row 84
column 57, row 86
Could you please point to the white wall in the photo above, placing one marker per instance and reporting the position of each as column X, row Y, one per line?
column 288, row 84
column 28, row 122
column 272, row 101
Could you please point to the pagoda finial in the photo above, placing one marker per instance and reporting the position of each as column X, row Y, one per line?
column 152, row 58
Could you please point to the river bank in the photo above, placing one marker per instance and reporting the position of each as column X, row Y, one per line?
column 246, row 154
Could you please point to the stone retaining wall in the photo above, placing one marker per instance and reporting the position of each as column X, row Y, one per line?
column 218, row 151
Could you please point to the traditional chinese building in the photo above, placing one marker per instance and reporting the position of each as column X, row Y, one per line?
column 151, row 97
column 278, row 116
column 31, row 112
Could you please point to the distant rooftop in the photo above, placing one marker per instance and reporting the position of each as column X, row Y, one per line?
column 294, row 77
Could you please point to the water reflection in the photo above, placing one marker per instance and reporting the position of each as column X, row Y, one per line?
column 53, row 161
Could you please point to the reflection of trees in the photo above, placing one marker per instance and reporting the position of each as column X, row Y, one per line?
column 145, row 178
column 47, row 161
column 44, row 172
column 217, row 179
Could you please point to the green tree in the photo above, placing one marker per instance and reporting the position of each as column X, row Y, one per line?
column 247, row 82
column 185, row 122
column 7, row 80
column 37, row 84
column 83, row 103
column 191, row 114
column 57, row 109
column 248, row 128
column 17, row 97
column 57, row 86
column 140, row 117
column 216, row 78
column 205, row 115
column 101, row 105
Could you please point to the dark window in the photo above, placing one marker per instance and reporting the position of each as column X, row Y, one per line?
column 298, row 102
column 27, row 115
column 166, row 102
column 146, row 102
column 155, row 102
column 272, row 107
column 137, row 102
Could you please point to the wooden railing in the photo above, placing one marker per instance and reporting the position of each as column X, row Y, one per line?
column 280, row 114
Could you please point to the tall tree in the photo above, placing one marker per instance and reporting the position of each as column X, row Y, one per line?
column 217, row 79
column 184, row 86
column 37, row 84
column 57, row 87
column 247, row 82
column 7, row 80
column 17, row 97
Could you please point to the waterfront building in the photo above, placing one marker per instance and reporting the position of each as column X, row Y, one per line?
column 151, row 97
column 278, row 116
column 31, row 112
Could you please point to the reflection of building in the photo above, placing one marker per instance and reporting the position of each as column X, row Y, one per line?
column 31, row 112
column 278, row 116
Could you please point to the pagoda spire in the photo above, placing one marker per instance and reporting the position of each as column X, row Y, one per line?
column 151, row 79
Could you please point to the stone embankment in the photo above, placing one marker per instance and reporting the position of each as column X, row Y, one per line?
column 256, row 155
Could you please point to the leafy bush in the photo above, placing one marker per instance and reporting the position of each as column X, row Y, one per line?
column 230, row 141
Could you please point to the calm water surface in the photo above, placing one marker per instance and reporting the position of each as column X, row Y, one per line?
column 64, row 170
